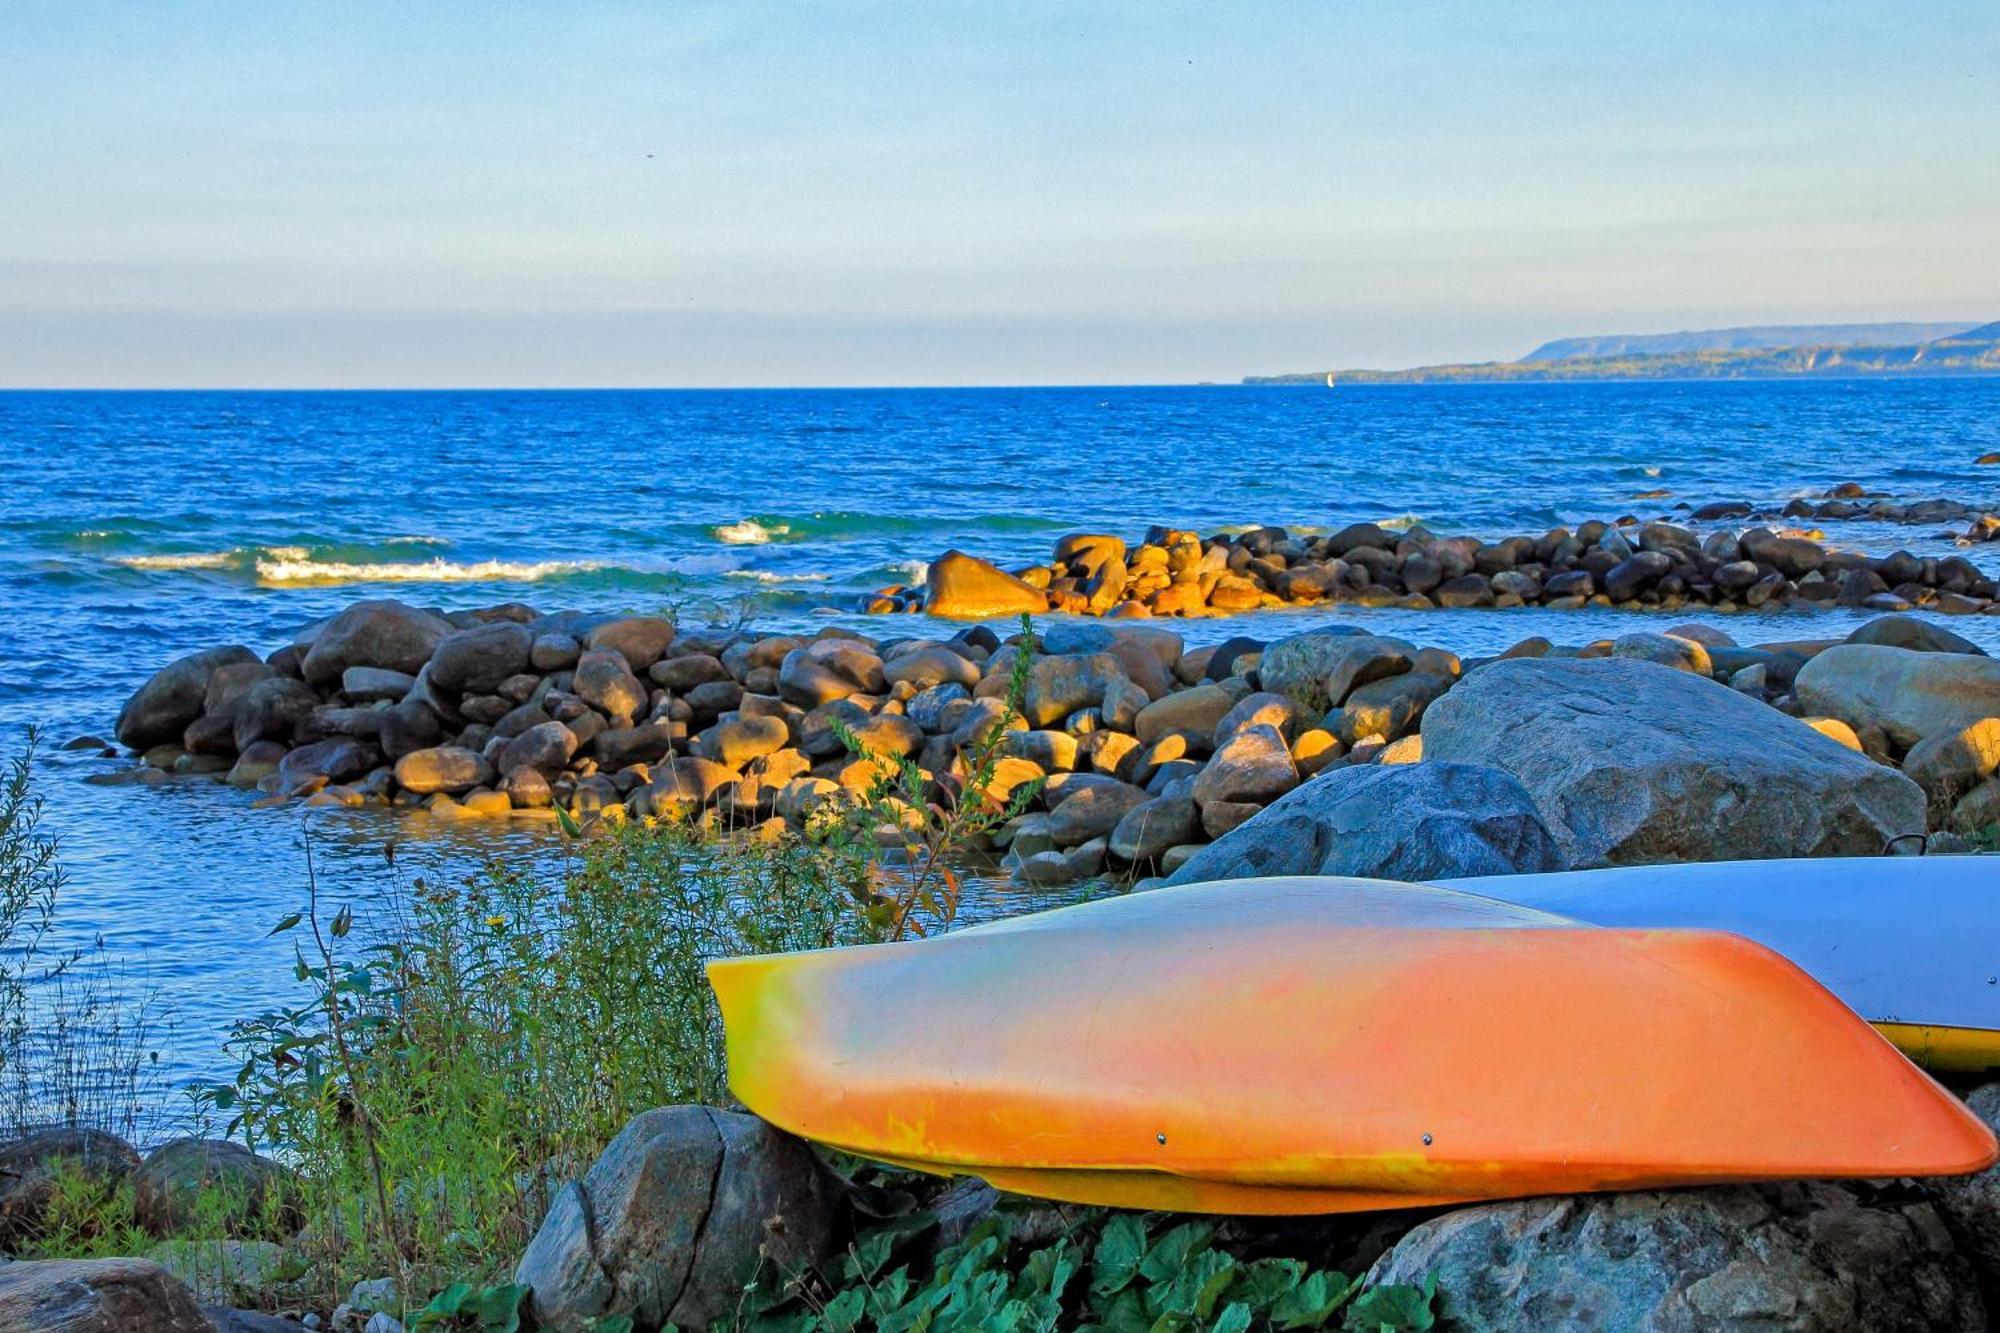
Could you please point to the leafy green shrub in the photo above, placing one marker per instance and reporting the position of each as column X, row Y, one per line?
column 1110, row 1273
column 455, row 1062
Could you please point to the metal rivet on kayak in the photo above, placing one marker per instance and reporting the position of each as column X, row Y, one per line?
column 1161, row 1137
column 1427, row 1140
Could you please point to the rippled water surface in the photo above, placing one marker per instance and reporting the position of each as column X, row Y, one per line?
column 139, row 526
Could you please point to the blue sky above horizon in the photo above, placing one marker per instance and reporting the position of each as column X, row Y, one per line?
column 926, row 193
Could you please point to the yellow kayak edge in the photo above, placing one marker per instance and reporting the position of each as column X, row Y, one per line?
column 1945, row 1050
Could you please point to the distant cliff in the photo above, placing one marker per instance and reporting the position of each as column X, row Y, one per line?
column 1776, row 352
column 1759, row 338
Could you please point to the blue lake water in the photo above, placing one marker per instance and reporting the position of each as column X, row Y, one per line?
column 139, row 526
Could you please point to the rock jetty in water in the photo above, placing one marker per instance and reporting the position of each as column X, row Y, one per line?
column 1145, row 751
column 1627, row 563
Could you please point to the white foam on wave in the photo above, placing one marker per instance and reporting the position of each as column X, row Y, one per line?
column 747, row 532
column 418, row 540
column 773, row 576
column 1401, row 522
column 276, row 571
column 188, row 560
column 298, row 570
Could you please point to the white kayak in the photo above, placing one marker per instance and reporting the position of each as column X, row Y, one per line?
column 1911, row 943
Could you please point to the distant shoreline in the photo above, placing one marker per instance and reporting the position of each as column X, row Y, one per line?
column 1801, row 352
column 1403, row 379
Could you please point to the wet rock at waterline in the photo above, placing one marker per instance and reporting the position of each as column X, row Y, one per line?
column 734, row 730
column 1630, row 563
column 963, row 587
column 164, row 706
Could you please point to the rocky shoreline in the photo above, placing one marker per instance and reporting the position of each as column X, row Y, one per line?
column 1335, row 751
column 688, row 1205
column 1141, row 750
column 1626, row 562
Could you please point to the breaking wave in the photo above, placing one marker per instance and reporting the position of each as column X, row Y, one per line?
column 773, row 576
column 747, row 532
column 297, row 572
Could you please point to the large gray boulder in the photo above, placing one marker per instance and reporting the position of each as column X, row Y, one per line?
column 1320, row 669
column 1632, row 763
column 271, row 709
column 640, row 640
column 1908, row 693
column 381, row 633
column 675, row 1217
column 1407, row 821
column 96, row 1296
column 1061, row 685
column 160, row 710
column 475, row 661
column 1805, row 1258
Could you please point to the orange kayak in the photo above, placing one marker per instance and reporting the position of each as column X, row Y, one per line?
column 1267, row 1046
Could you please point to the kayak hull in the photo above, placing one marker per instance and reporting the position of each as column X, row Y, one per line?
column 1270, row 1046
column 1911, row 943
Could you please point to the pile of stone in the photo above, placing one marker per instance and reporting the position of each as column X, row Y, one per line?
column 1141, row 750
column 1659, row 564
column 1847, row 502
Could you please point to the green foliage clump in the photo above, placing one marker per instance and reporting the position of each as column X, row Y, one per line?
column 453, row 1065
column 1109, row 1273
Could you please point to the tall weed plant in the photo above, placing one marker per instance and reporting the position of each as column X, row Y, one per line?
column 79, row 1030
column 458, row 1061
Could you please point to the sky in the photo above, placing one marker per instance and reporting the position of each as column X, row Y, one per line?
column 377, row 194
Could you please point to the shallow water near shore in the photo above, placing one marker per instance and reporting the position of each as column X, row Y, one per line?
column 141, row 526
